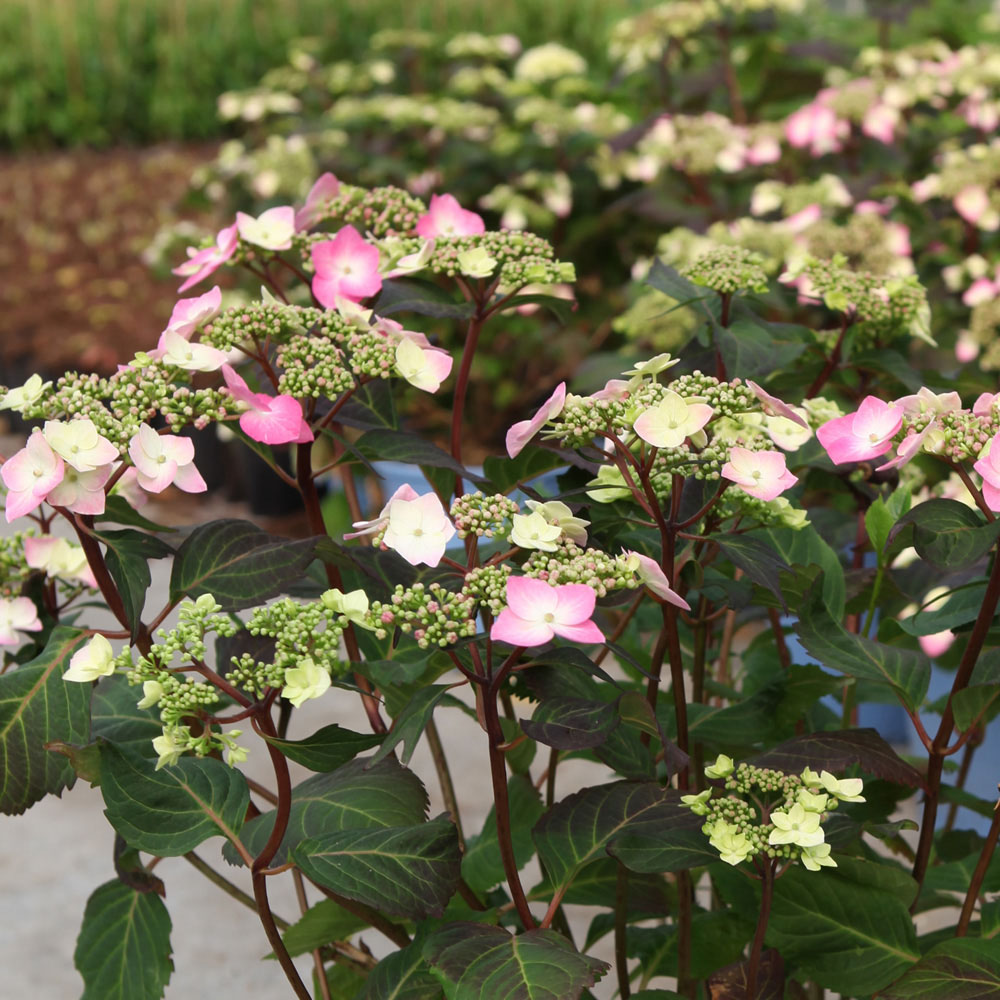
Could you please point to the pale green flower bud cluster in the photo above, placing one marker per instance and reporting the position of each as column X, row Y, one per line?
column 381, row 211
column 372, row 353
column 770, row 814
column 74, row 395
column 828, row 191
column 488, row 586
column 866, row 239
column 253, row 676
column 256, row 321
column 505, row 246
column 482, row 516
column 299, row 631
column 14, row 569
column 313, row 366
column 572, row 564
column 882, row 308
column 963, row 434
column 984, row 326
column 728, row 270
column 432, row 615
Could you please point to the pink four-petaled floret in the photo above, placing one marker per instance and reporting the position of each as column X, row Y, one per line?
column 537, row 612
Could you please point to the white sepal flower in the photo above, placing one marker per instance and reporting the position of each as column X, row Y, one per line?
column 95, row 660
column 304, row 682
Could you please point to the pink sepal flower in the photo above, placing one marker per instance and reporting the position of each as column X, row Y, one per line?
column 981, row 290
column 164, row 459
column 614, row 389
column 880, row 122
column 524, row 430
column 537, row 612
column 419, row 530
column 803, row 218
column 447, row 218
column 346, row 267
column 988, row 466
column 201, row 263
column 972, row 203
column 652, row 575
column 30, row 475
column 373, row 527
column 271, row 230
column 985, row 401
column 326, row 187
column 762, row 474
column 859, row 436
column 189, row 314
column 17, row 613
column 270, row 419
column 774, row 407
column 937, row 644
column 82, row 492
column 53, row 555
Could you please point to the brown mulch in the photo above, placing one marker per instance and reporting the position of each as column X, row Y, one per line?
column 74, row 290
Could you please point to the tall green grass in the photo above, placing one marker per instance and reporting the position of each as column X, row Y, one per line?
column 99, row 72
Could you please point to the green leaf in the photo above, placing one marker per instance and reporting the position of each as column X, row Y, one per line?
column 476, row 962
column 561, row 308
column 371, row 406
column 667, row 838
column 665, row 279
column 326, row 749
column 123, row 951
column 577, row 830
column 717, row 938
column 411, row 449
column 961, row 969
column 836, row 751
column 571, row 723
column 852, row 938
column 482, row 865
column 37, row 707
column 171, row 811
column 115, row 717
column 322, row 923
column 973, row 703
column 410, row 871
column 948, row 611
column 117, row 510
column 907, row 671
column 127, row 554
column 421, row 297
column 238, row 564
column 403, row 975
column 411, row 722
column 752, row 351
column 354, row 797
column 507, row 474
column 758, row 560
column 948, row 534
column 804, row 547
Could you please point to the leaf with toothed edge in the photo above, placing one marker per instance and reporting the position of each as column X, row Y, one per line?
column 37, row 707
column 477, row 962
column 410, row 871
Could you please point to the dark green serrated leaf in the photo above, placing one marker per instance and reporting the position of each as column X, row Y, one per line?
column 482, row 864
column 411, row 722
column 123, row 951
column 666, row 279
column 171, row 811
column 507, row 474
column 949, row 611
column 117, row 510
column 853, row 939
column 127, row 554
column 974, row 703
column 37, row 707
column 476, row 962
column 403, row 975
column 115, row 717
column 411, row 449
column 948, row 534
column 371, row 406
column 803, row 547
column 238, row 564
column 571, row 723
column 410, row 871
column 666, row 838
column 421, row 297
column 906, row 671
column 85, row 760
column 353, row 797
column 749, row 349
column 322, row 923
column 836, row 751
column 326, row 749
column 962, row 969
column 578, row 829
column 757, row 559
